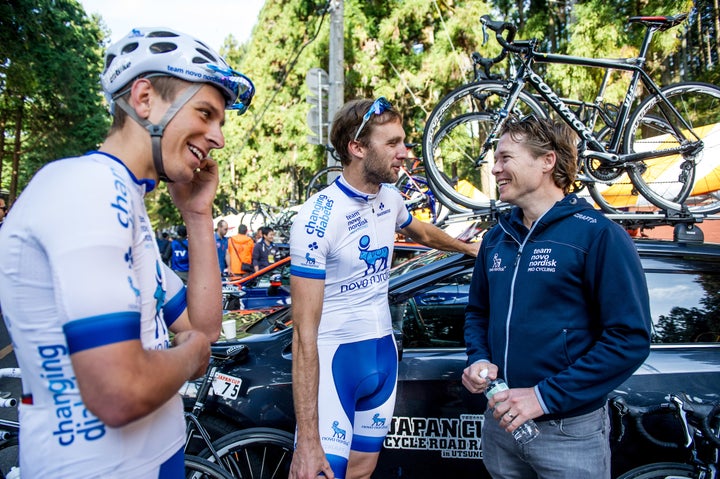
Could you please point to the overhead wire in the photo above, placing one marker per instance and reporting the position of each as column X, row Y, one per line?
column 291, row 65
column 447, row 32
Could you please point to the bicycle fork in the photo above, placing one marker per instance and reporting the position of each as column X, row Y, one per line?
column 501, row 117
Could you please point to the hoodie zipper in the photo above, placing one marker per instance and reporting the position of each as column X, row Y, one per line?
column 521, row 247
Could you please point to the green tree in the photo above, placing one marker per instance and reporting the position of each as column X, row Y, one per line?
column 50, row 98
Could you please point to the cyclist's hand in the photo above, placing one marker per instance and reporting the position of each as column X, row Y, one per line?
column 196, row 196
column 308, row 462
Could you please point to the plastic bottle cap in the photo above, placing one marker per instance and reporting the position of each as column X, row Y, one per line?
column 484, row 373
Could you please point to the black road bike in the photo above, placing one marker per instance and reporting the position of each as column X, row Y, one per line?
column 663, row 154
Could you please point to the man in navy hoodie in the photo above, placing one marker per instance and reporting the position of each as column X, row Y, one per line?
column 558, row 308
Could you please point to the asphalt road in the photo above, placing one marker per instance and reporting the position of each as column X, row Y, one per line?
column 8, row 456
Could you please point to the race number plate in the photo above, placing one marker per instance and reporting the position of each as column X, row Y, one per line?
column 226, row 386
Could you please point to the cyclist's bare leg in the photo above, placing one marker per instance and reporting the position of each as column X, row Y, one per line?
column 361, row 464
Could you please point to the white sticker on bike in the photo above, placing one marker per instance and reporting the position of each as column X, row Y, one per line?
column 226, row 386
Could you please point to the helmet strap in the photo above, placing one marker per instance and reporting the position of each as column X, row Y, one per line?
column 157, row 130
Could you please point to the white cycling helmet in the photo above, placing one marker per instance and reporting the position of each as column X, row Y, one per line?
column 163, row 51
column 149, row 52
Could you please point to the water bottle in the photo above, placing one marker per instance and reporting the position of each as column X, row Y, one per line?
column 528, row 430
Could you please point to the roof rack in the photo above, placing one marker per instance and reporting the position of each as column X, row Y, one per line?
column 685, row 223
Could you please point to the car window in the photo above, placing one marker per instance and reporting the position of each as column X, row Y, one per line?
column 434, row 317
column 685, row 307
column 418, row 261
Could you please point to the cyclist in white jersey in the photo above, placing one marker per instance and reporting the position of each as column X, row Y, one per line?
column 341, row 245
column 86, row 297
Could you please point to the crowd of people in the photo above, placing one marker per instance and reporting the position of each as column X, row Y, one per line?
column 126, row 318
column 238, row 255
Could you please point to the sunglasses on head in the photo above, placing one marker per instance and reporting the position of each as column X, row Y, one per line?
column 379, row 106
column 241, row 85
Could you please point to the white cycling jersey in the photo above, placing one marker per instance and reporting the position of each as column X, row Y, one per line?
column 346, row 238
column 80, row 268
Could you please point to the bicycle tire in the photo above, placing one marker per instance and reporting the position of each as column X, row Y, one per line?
column 455, row 133
column 321, row 179
column 677, row 182
column 199, row 468
column 661, row 470
column 258, row 453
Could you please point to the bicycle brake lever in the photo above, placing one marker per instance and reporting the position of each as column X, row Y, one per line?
column 683, row 415
column 484, row 33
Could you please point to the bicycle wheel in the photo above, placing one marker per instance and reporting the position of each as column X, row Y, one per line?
column 258, row 453
column 662, row 470
column 322, row 179
column 690, row 179
column 199, row 468
column 454, row 136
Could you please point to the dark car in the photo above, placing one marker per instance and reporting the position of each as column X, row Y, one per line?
column 435, row 431
column 270, row 287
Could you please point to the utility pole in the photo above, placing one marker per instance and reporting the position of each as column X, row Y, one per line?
column 336, row 72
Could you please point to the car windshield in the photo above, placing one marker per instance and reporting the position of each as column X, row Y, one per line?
column 418, row 262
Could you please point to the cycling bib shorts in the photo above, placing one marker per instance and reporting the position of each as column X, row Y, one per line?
column 356, row 407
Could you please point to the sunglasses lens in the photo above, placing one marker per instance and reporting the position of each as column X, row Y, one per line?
column 239, row 84
column 379, row 106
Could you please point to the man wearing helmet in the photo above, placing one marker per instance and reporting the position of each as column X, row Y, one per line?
column 90, row 309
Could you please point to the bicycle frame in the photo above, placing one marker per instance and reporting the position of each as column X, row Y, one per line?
column 595, row 149
column 420, row 186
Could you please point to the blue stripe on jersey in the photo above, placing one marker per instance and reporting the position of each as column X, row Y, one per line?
column 407, row 221
column 173, row 467
column 88, row 333
column 175, row 307
column 307, row 272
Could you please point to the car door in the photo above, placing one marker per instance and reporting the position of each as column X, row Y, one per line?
column 435, row 431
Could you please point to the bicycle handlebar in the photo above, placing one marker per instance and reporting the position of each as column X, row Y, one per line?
column 506, row 42
column 679, row 405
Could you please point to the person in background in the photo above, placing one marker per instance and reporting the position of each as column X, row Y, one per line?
column 239, row 254
column 163, row 242
column 345, row 361
column 180, row 260
column 264, row 251
column 544, row 312
column 86, row 298
column 221, row 243
column 3, row 210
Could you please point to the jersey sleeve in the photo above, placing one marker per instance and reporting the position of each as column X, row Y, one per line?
column 90, row 254
column 176, row 298
column 309, row 245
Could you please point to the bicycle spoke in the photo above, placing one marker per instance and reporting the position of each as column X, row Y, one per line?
column 686, row 171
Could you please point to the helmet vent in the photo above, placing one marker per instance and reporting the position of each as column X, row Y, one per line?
column 108, row 61
column 162, row 47
column 162, row 34
column 130, row 47
column 209, row 57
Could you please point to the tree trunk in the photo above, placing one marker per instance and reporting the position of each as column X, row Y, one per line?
column 716, row 19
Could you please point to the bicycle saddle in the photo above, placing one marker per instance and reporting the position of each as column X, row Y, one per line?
column 229, row 350
column 660, row 23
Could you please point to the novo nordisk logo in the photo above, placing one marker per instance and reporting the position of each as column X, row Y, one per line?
column 497, row 264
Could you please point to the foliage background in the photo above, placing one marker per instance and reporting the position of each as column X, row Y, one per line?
column 411, row 51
